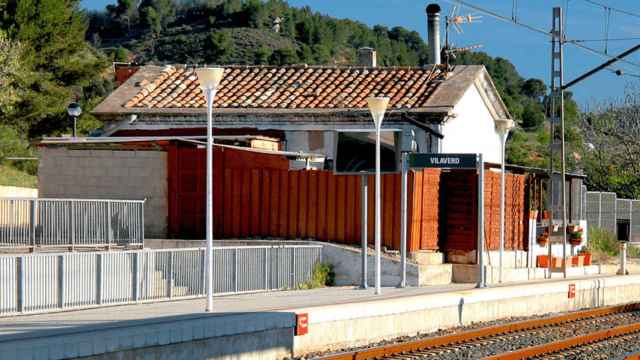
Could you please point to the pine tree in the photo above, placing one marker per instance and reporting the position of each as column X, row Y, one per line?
column 58, row 59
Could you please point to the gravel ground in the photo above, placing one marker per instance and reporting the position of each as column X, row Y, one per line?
column 509, row 342
column 426, row 335
column 617, row 348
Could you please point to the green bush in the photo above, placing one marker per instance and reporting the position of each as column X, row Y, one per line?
column 603, row 241
column 322, row 276
column 633, row 251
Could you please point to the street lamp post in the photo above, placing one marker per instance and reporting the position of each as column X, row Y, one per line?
column 74, row 110
column 503, row 126
column 377, row 107
column 209, row 79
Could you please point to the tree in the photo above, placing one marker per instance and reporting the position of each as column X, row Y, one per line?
column 221, row 47
column 163, row 11
column 284, row 56
column 10, row 75
column 152, row 21
column 56, row 59
column 121, row 54
column 534, row 88
column 262, row 55
column 532, row 114
column 612, row 150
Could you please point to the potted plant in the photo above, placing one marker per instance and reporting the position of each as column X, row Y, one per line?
column 575, row 236
column 586, row 253
column 543, row 238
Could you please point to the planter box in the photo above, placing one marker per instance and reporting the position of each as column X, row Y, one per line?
column 577, row 260
column 542, row 261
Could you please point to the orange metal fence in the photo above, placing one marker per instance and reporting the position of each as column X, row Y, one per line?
column 258, row 198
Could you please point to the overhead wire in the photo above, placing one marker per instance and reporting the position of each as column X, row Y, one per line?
column 621, row 11
column 538, row 30
column 600, row 40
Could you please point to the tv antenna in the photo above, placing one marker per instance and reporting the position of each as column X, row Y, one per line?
column 455, row 20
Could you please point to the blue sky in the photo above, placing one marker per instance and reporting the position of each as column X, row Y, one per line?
column 529, row 51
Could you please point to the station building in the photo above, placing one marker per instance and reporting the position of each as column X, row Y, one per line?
column 277, row 133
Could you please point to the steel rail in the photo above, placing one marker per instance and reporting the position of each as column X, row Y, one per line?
column 472, row 335
column 566, row 344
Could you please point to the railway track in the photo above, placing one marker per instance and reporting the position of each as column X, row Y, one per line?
column 608, row 331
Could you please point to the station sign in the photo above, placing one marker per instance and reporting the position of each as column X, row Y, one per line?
column 443, row 161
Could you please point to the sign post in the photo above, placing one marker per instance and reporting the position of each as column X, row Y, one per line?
column 457, row 161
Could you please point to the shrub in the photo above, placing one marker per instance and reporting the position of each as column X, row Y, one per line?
column 602, row 241
column 322, row 275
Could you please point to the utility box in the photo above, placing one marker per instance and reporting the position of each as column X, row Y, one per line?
column 623, row 227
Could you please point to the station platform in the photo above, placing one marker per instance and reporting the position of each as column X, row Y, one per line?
column 271, row 325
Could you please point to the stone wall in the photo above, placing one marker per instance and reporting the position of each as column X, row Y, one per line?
column 107, row 174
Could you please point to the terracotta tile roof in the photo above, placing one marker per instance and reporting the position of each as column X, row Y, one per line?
column 290, row 87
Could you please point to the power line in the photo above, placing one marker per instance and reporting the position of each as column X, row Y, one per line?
column 605, row 6
column 600, row 40
column 535, row 29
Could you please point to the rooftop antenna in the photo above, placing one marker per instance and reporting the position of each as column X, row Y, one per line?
column 454, row 19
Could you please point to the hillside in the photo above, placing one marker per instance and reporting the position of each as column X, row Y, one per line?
column 235, row 31
column 245, row 32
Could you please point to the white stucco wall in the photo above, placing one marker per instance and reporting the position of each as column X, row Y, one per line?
column 472, row 130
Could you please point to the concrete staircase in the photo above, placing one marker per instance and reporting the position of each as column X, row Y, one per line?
column 431, row 268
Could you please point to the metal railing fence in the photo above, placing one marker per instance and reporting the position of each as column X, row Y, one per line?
column 30, row 222
column 53, row 282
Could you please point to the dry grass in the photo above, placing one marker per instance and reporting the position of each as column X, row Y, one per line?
column 10, row 176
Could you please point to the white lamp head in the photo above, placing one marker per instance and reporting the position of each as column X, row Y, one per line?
column 504, row 126
column 74, row 109
column 378, row 106
column 209, row 78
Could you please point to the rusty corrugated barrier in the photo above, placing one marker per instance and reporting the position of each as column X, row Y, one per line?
column 256, row 196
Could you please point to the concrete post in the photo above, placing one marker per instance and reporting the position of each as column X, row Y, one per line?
column 623, row 259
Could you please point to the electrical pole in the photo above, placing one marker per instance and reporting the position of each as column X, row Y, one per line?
column 557, row 140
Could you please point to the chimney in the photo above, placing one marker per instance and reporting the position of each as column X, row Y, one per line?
column 433, row 32
column 124, row 71
column 367, row 57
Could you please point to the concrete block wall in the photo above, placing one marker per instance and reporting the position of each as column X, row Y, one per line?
column 107, row 174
